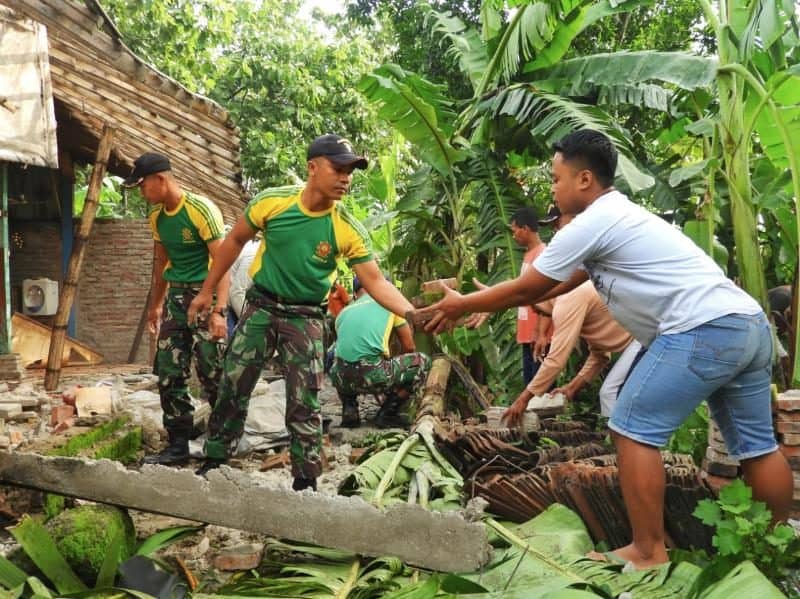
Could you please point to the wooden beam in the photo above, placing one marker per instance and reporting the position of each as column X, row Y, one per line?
column 70, row 286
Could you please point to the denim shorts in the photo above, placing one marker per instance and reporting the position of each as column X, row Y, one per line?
column 727, row 361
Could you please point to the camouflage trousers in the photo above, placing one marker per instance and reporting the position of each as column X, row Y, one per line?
column 296, row 331
column 383, row 375
column 177, row 343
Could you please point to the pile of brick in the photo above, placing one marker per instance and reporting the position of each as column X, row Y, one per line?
column 788, row 426
column 718, row 467
column 10, row 369
column 20, row 411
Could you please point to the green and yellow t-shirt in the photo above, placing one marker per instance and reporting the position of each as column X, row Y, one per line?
column 363, row 329
column 297, row 256
column 185, row 233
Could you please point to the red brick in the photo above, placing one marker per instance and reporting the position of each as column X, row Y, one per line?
column 786, row 416
column 60, row 413
column 716, row 482
column 788, row 404
column 790, row 451
column 719, row 469
column 788, row 427
column 244, row 557
column 64, row 425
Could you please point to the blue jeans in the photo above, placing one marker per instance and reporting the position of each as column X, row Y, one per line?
column 529, row 366
column 727, row 361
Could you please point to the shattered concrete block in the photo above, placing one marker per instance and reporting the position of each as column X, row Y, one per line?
column 7, row 410
column 443, row 541
column 530, row 419
column 90, row 401
column 61, row 413
column 25, row 416
column 5, row 442
column 242, row 557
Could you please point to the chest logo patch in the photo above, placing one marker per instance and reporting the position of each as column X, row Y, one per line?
column 323, row 250
column 186, row 233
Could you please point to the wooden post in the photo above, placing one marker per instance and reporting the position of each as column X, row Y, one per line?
column 70, row 286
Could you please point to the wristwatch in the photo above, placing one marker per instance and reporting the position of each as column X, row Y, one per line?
column 221, row 310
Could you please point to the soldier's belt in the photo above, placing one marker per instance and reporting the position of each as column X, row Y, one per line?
column 258, row 292
column 181, row 285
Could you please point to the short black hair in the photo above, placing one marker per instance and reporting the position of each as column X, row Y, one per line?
column 593, row 150
column 526, row 217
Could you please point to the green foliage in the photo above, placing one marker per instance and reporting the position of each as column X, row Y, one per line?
column 692, row 436
column 283, row 80
column 743, row 531
column 86, row 534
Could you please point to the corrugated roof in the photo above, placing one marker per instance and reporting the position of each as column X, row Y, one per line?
column 97, row 79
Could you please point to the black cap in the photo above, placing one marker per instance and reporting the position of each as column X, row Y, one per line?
column 336, row 149
column 147, row 164
column 553, row 214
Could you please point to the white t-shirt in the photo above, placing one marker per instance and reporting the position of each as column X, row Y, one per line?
column 240, row 276
column 653, row 278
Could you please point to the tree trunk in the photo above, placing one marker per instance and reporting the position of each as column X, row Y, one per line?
column 70, row 286
column 433, row 400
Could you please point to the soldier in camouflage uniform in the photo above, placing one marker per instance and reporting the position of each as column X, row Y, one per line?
column 304, row 231
column 363, row 363
column 187, row 232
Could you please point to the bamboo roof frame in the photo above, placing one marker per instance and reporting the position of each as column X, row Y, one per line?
column 98, row 80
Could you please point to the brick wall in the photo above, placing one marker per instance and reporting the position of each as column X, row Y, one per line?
column 113, row 285
column 35, row 254
column 114, row 282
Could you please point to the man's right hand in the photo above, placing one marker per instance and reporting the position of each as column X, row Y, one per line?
column 539, row 349
column 513, row 415
column 201, row 304
column 154, row 320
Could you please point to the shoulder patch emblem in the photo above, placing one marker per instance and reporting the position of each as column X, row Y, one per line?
column 323, row 249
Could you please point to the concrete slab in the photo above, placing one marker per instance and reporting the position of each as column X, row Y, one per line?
column 235, row 499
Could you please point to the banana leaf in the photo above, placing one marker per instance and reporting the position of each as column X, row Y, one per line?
column 40, row 547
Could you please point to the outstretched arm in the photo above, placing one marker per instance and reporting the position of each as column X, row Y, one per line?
column 381, row 290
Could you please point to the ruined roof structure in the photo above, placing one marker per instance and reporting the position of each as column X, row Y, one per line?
column 96, row 79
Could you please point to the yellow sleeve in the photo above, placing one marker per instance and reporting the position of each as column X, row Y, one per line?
column 398, row 321
column 206, row 217
column 153, row 218
column 269, row 203
column 351, row 237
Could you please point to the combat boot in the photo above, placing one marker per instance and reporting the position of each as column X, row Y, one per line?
column 350, row 415
column 301, row 483
column 389, row 416
column 177, row 452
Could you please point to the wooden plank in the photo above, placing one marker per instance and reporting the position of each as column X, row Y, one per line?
column 70, row 285
column 31, row 340
column 155, row 120
column 69, row 59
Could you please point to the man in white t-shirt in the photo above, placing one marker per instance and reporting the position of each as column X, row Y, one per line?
column 705, row 337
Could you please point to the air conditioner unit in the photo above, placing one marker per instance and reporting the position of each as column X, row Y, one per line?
column 39, row 297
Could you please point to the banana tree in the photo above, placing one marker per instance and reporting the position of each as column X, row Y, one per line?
column 753, row 84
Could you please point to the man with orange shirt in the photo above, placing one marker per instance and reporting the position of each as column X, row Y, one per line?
column 525, row 230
